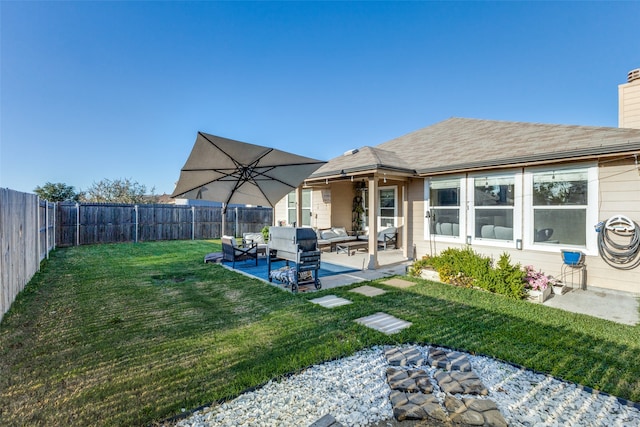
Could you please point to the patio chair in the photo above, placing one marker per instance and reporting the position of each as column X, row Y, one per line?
column 232, row 252
column 386, row 237
column 258, row 239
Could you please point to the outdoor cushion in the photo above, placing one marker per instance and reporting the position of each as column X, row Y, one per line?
column 486, row 232
column 456, row 229
column 329, row 234
column 253, row 238
column 340, row 231
column 503, row 233
column 446, row 228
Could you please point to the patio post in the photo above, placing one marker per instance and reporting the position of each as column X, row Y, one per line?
column 299, row 206
column 373, row 219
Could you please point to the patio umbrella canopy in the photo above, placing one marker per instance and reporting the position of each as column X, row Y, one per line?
column 234, row 172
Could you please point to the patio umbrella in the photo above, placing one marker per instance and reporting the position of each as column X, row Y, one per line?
column 228, row 171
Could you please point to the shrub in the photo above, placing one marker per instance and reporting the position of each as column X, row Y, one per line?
column 265, row 232
column 466, row 268
column 416, row 268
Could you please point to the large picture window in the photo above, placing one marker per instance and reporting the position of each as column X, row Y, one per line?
column 494, row 198
column 444, row 207
column 559, row 201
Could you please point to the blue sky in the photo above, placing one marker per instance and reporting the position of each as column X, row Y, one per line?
column 94, row 90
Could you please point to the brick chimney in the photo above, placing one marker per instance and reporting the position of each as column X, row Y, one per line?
column 629, row 101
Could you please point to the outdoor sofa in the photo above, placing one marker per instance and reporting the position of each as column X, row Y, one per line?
column 330, row 237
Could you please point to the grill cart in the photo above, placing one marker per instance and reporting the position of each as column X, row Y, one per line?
column 298, row 246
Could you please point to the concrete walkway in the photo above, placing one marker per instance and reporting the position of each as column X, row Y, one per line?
column 617, row 306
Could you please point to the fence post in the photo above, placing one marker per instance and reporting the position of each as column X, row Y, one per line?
column 39, row 230
column 77, row 224
column 46, row 233
column 193, row 222
column 55, row 224
column 135, row 207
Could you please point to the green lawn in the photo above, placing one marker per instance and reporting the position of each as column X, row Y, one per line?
column 129, row 334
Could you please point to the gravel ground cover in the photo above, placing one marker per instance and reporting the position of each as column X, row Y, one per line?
column 355, row 392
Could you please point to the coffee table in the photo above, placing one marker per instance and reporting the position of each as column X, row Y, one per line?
column 348, row 246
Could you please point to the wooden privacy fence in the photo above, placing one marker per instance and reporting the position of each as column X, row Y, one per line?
column 90, row 223
column 27, row 234
column 30, row 228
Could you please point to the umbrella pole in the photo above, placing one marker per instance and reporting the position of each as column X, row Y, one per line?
column 224, row 214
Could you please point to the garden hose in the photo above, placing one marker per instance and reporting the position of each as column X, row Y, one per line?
column 619, row 242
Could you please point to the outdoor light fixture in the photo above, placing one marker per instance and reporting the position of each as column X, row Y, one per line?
column 342, row 174
column 385, row 178
column 519, row 244
column 468, row 240
column 326, row 180
column 351, row 178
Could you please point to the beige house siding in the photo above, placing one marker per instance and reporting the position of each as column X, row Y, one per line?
column 415, row 218
column 619, row 195
column 341, row 204
column 280, row 211
column 321, row 203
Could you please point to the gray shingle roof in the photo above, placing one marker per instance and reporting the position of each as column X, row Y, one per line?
column 465, row 144
column 367, row 158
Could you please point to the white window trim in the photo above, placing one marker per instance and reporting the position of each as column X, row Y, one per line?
column 462, row 216
column 395, row 205
column 517, row 209
column 295, row 208
column 591, row 238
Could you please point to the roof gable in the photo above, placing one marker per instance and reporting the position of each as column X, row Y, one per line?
column 365, row 158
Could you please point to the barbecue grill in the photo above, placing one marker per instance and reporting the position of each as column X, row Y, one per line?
column 298, row 246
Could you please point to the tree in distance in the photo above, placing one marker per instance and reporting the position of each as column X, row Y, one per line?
column 57, row 192
column 118, row 191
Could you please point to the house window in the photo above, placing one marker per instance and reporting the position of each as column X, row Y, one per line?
column 493, row 201
column 444, row 207
column 560, row 202
column 292, row 206
column 387, row 209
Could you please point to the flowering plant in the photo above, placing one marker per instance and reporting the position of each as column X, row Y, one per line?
column 536, row 280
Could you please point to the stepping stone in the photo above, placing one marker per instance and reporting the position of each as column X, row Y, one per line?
column 471, row 411
column 410, row 381
column 326, row 421
column 416, row 406
column 369, row 291
column 330, row 301
column 399, row 283
column 405, row 357
column 450, row 360
column 460, row 383
column 384, row 323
